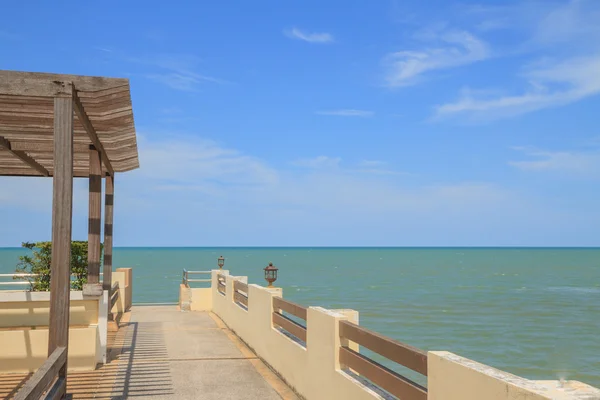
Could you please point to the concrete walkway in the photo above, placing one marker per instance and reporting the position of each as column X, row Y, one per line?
column 160, row 352
column 169, row 354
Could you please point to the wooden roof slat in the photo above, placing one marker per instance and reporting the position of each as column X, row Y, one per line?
column 87, row 124
column 27, row 117
column 21, row 155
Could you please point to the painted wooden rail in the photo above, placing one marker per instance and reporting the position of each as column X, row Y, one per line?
column 114, row 297
column 240, row 292
column 221, row 284
column 186, row 279
column 48, row 381
column 287, row 323
column 391, row 349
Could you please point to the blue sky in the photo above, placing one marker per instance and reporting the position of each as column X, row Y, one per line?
column 376, row 123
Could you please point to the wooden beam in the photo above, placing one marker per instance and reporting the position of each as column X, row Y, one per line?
column 89, row 128
column 109, row 199
column 23, row 157
column 62, row 217
column 37, row 84
column 95, row 210
column 48, row 147
column 39, row 382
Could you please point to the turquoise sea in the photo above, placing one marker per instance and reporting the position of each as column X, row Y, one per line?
column 532, row 312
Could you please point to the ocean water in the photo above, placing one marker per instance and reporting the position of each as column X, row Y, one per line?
column 531, row 312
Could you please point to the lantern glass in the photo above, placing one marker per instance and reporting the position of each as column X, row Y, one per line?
column 271, row 274
column 221, row 262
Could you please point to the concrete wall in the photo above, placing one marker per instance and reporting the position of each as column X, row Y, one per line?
column 314, row 370
column 124, row 277
column 24, row 319
column 452, row 377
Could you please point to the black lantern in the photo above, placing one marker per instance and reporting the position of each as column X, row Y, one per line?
column 221, row 262
column 271, row 274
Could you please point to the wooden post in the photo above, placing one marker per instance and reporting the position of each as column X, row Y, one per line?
column 62, row 215
column 108, row 232
column 95, row 206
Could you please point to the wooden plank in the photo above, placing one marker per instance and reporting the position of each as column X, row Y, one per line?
column 240, row 298
column 109, row 199
column 58, row 391
column 31, row 86
column 62, row 215
column 291, row 326
column 403, row 354
column 94, row 216
column 87, row 124
column 241, row 286
column 113, row 299
column 387, row 379
column 44, row 376
column 37, row 84
column 4, row 143
column 45, row 147
column 290, row 307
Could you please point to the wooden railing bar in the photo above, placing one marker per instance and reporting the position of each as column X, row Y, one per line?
column 199, row 280
column 58, row 390
column 403, row 354
column 290, row 307
column 241, row 286
column 114, row 298
column 221, row 287
column 289, row 325
column 44, row 376
column 240, row 298
column 199, row 272
column 387, row 379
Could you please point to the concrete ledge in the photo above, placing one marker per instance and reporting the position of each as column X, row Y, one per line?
column 25, row 351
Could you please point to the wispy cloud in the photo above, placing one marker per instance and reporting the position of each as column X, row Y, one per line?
column 311, row 37
column 550, row 85
column 347, row 113
column 453, row 49
column 318, row 162
column 247, row 200
column 178, row 71
column 579, row 163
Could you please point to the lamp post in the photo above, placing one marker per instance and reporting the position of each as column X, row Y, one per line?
column 221, row 262
column 271, row 274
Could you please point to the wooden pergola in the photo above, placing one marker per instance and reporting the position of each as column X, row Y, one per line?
column 66, row 126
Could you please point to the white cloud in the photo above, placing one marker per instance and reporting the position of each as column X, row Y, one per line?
column 314, row 37
column 200, row 192
column 318, row 162
column 581, row 163
column 347, row 113
column 187, row 160
column 371, row 163
column 178, row 71
column 456, row 48
column 550, row 85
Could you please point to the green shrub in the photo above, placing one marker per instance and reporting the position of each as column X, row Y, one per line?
column 40, row 260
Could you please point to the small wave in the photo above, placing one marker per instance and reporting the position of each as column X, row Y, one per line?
column 571, row 289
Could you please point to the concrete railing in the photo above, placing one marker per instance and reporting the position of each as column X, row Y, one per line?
column 24, row 320
column 320, row 359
